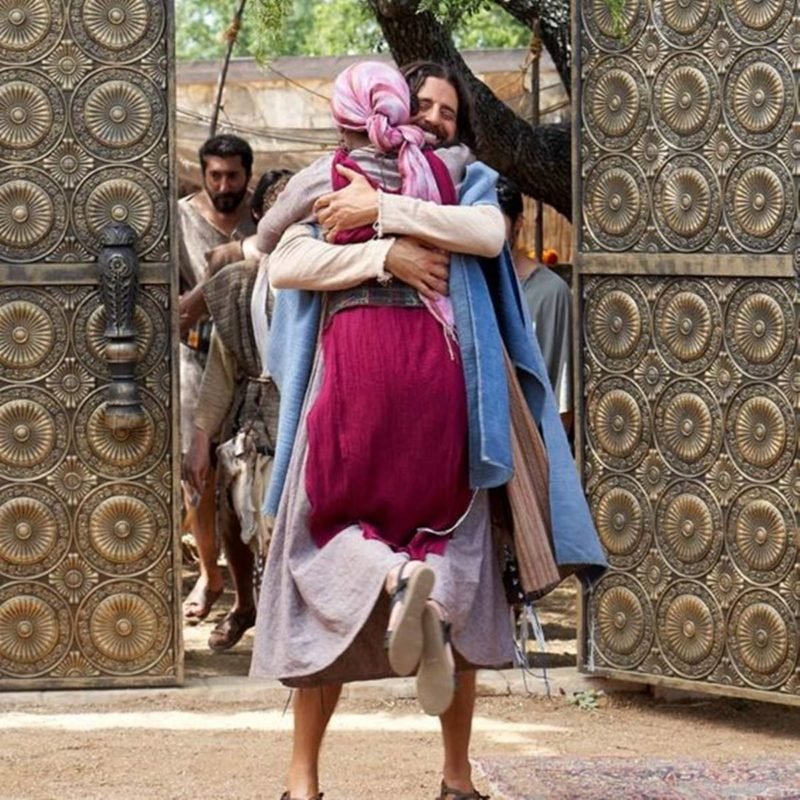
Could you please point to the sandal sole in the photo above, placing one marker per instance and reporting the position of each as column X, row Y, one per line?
column 405, row 640
column 435, row 678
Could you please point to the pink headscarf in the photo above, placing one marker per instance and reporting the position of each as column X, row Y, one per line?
column 374, row 97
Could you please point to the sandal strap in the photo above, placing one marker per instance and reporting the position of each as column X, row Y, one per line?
column 396, row 596
column 456, row 794
column 287, row 796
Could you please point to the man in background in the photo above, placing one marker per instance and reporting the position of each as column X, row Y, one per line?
column 217, row 215
column 549, row 302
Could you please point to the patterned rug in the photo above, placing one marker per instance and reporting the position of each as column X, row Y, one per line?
column 530, row 778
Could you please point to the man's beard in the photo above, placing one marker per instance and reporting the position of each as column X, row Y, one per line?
column 226, row 202
column 439, row 133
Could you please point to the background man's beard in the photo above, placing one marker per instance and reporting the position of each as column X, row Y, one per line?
column 225, row 202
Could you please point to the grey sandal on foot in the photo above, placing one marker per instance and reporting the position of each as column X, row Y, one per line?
column 436, row 679
column 404, row 638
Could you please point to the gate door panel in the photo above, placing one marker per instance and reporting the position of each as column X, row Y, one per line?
column 687, row 137
column 88, row 585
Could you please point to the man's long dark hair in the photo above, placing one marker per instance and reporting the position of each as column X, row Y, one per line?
column 418, row 72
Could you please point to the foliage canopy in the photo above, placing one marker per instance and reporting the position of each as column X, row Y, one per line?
column 328, row 27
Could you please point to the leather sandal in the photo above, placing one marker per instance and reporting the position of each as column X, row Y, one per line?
column 287, row 796
column 404, row 635
column 436, row 680
column 446, row 793
column 230, row 629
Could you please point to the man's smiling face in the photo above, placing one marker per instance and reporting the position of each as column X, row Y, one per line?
column 437, row 110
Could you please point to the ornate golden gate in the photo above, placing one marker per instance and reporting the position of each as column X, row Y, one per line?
column 88, row 586
column 688, row 150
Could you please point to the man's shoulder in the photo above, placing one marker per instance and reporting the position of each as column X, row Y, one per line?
column 545, row 281
column 187, row 207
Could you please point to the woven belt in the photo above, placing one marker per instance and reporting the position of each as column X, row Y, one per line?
column 373, row 294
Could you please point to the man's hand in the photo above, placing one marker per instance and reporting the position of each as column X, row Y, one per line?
column 192, row 308
column 196, row 462
column 421, row 267
column 354, row 206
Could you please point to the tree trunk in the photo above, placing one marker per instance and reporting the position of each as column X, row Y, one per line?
column 537, row 158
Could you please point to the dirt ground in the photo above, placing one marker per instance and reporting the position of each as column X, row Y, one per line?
column 198, row 750
column 185, row 748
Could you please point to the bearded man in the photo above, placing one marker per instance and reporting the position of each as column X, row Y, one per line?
column 215, row 216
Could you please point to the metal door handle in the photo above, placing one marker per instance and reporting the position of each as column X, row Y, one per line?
column 118, row 265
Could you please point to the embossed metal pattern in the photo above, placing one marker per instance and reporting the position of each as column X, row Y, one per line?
column 690, row 357
column 703, row 95
column 87, row 578
column 80, row 88
column 693, row 478
column 72, row 519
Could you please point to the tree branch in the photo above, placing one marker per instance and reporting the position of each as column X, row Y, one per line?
column 554, row 21
column 537, row 158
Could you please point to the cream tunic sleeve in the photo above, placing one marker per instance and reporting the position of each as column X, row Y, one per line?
column 301, row 261
column 477, row 230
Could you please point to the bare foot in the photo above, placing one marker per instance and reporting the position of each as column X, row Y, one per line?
column 197, row 606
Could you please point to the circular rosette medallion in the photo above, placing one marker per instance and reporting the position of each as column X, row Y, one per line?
column 32, row 116
column 762, row 638
column 118, row 114
column 760, row 431
column 28, row 29
column 123, row 627
column 122, row 529
column 120, row 453
column 622, row 514
column 687, row 203
column 34, row 531
column 760, row 328
column 759, row 21
column 688, row 326
column 689, row 528
column 616, row 32
column 33, row 334
column 618, row 423
column 615, row 320
column 691, row 630
column 687, row 104
column 616, row 104
column 759, row 98
column 760, row 535
column 120, row 195
column 616, row 202
column 117, row 31
column 33, row 433
column 688, row 424
column 35, row 630
column 759, row 202
column 152, row 335
column 33, row 214
column 621, row 620
column 686, row 23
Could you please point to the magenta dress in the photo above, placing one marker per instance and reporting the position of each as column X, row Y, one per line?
column 387, row 434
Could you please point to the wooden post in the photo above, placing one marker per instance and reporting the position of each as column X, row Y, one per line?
column 231, row 36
